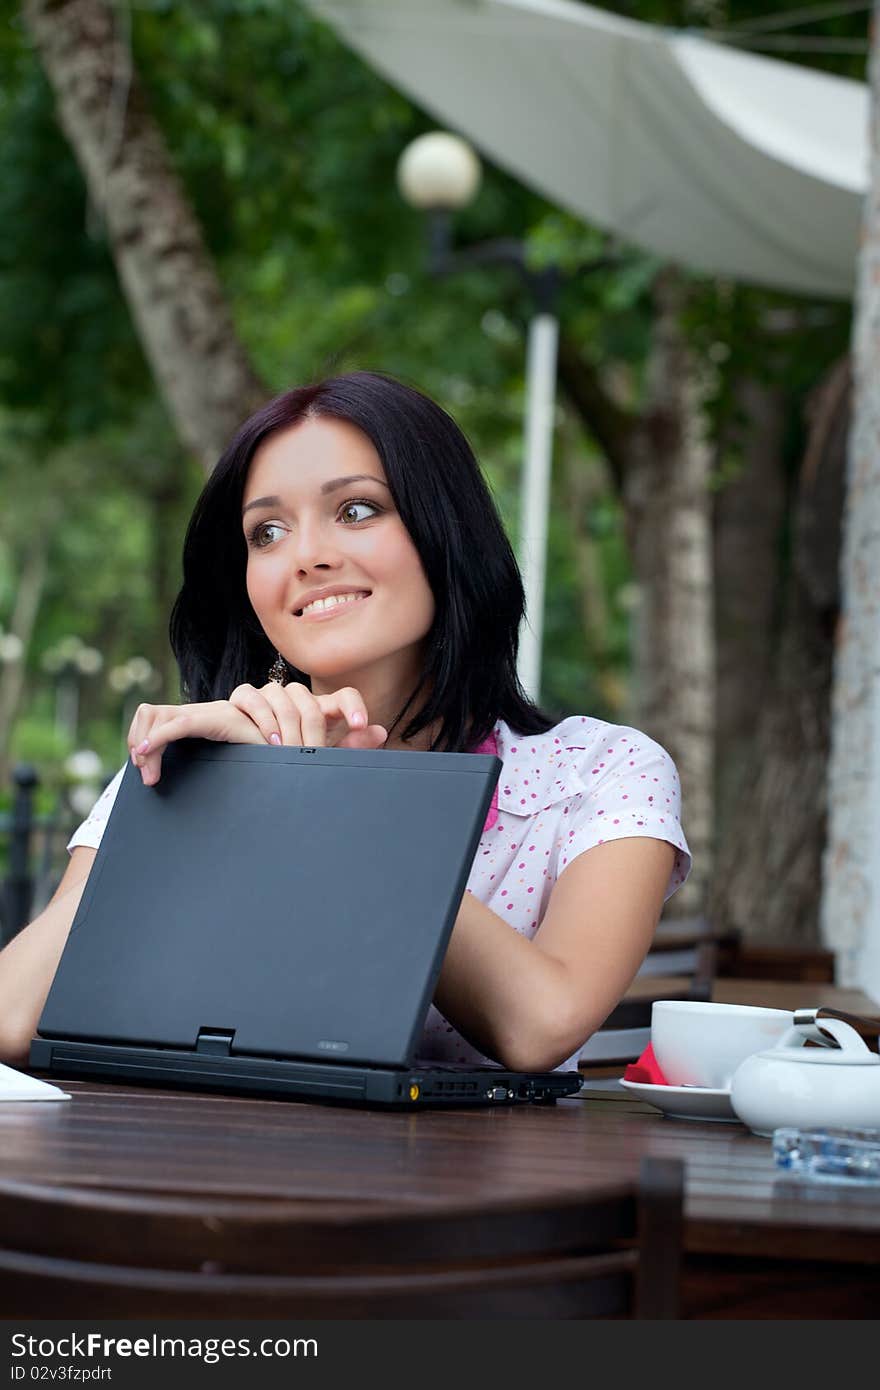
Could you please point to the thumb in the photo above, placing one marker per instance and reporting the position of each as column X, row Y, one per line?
column 373, row 736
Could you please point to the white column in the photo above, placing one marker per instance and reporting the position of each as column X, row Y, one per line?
column 535, row 495
column 851, row 880
column 865, row 967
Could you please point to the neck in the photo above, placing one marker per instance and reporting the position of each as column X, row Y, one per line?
column 420, row 744
column 384, row 694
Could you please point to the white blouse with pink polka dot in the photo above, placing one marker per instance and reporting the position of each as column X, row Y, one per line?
column 581, row 784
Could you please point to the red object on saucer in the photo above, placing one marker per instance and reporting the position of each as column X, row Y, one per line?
column 646, row 1069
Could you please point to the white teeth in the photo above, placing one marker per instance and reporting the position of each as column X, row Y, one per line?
column 331, row 602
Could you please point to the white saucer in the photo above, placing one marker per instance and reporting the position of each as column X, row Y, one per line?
column 685, row 1102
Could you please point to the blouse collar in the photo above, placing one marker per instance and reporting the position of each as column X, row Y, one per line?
column 538, row 771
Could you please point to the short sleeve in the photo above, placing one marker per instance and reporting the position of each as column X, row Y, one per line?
column 92, row 828
column 633, row 789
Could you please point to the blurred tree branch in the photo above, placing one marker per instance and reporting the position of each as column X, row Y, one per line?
column 611, row 426
column 166, row 270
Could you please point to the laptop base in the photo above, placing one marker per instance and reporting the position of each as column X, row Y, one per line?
column 384, row 1087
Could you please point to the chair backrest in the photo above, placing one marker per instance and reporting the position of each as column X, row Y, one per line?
column 683, row 946
column 616, row 1253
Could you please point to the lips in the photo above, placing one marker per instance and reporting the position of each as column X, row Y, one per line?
column 334, row 610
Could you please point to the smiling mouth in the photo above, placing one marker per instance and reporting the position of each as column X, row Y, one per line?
column 326, row 607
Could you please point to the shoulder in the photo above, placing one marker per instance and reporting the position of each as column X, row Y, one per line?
column 607, row 750
column 596, row 782
column 578, row 755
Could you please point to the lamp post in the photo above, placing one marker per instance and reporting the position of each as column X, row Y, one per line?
column 69, row 661
column 440, row 173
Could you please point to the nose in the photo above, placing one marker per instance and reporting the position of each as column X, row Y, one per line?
column 314, row 547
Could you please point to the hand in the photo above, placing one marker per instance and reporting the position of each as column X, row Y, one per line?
column 155, row 726
column 275, row 714
column 291, row 714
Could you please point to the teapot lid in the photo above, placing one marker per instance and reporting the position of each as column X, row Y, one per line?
column 841, row 1045
column 820, row 1057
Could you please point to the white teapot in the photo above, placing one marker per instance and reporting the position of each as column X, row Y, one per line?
column 834, row 1086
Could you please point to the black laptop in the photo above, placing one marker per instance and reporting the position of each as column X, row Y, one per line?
column 273, row 921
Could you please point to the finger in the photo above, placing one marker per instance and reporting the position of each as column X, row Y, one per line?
column 179, row 721
column 312, row 719
column 347, row 704
column 145, row 716
column 147, row 754
column 286, row 713
column 255, row 704
column 145, row 721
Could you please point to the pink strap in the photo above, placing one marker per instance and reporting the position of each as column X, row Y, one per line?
column 490, row 745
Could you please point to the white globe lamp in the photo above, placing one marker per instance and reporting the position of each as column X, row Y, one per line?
column 438, row 171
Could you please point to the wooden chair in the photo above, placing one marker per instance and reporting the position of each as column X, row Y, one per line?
column 744, row 960
column 72, row 1254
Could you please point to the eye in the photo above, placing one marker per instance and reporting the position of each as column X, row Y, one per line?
column 262, row 534
column 353, row 504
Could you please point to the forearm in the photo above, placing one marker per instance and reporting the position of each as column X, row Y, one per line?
column 27, row 969
column 504, row 993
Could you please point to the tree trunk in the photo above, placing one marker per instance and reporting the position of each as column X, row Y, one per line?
column 851, row 898
column 177, row 303
column 749, row 515
column 668, row 516
column 768, row 872
column 31, row 584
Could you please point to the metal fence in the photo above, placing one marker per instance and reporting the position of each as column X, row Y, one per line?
column 36, row 856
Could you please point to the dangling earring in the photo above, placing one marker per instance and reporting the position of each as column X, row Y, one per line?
column 278, row 671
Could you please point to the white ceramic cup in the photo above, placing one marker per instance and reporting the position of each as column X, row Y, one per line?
column 702, row 1044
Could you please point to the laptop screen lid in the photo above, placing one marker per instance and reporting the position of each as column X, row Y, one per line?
column 300, row 899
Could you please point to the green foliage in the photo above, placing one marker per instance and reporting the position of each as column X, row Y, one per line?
column 37, row 741
column 67, row 346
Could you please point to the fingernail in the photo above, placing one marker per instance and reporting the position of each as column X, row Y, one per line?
column 275, row 738
column 358, row 720
column 142, row 747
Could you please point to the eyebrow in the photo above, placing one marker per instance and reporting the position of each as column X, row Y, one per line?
column 332, row 486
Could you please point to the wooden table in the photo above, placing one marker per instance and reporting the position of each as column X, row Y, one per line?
column 772, row 994
column 758, row 1243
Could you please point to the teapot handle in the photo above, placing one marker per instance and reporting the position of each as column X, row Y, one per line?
column 867, row 1028
column 814, row 1025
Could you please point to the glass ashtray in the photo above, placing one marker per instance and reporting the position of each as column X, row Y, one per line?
column 850, row 1156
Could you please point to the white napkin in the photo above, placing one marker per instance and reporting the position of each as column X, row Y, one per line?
column 15, row 1085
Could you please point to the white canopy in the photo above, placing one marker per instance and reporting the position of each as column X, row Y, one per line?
column 722, row 161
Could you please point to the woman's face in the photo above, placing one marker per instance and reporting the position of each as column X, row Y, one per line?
column 318, row 516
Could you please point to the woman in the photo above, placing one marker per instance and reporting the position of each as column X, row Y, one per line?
column 347, row 581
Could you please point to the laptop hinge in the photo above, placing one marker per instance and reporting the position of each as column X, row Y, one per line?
column 217, row 1042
